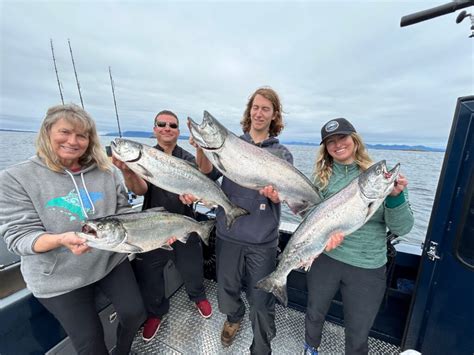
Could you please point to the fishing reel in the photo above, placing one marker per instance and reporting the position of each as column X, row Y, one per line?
column 462, row 15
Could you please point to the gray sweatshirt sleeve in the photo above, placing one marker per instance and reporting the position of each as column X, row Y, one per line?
column 20, row 224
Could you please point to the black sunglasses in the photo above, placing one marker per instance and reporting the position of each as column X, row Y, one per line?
column 162, row 124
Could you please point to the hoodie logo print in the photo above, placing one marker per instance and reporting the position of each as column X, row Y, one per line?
column 71, row 206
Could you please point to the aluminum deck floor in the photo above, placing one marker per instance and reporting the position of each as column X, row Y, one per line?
column 184, row 331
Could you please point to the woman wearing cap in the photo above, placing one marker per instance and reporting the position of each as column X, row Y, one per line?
column 357, row 266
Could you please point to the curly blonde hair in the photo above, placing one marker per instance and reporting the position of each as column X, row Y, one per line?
column 81, row 120
column 324, row 162
column 277, row 125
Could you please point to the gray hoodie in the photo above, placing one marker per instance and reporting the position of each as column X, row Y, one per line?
column 35, row 200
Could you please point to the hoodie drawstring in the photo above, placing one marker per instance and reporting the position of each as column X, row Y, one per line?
column 79, row 193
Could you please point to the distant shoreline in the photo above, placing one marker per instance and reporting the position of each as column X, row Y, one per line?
column 141, row 134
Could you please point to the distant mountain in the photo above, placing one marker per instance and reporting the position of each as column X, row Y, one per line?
column 422, row 148
column 138, row 134
column 16, row 130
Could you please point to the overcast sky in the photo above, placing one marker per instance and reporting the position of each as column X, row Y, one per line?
column 326, row 59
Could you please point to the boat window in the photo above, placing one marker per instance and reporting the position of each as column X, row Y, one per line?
column 465, row 245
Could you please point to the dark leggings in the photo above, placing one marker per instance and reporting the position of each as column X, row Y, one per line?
column 76, row 311
column 149, row 270
column 362, row 292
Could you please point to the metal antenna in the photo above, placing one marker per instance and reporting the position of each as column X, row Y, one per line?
column 75, row 73
column 115, row 102
column 56, row 70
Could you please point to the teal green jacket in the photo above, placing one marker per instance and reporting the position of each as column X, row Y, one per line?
column 366, row 247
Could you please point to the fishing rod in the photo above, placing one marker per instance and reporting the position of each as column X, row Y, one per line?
column 75, row 73
column 131, row 195
column 56, row 70
column 115, row 102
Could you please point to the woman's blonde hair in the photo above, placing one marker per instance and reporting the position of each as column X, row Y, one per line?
column 81, row 120
column 277, row 125
column 324, row 162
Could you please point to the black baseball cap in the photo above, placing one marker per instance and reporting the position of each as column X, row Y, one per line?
column 336, row 126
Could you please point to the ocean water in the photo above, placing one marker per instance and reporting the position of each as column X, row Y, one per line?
column 422, row 170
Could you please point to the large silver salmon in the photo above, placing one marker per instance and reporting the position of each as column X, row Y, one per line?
column 345, row 211
column 173, row 174
column 253, row 167
column 138, row 232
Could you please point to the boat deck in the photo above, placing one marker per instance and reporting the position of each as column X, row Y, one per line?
column 184, row 331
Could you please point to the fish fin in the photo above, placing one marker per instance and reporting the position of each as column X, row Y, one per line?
column 306, row 265
column 217, row 161
column 205, row 230
column 233, row 214
column 369, row 211
column 299, row 207
column 185, row 238
column 166, row 247
column 270, row 284
column 130, row 248
column 143, row 171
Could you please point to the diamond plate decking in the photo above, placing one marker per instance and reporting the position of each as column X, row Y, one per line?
column 184, row 331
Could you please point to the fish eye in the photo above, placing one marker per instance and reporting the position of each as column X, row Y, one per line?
column 378, row 171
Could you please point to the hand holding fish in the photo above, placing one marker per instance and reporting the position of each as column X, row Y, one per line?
column 187, row 199
column 171, row 240
column 121, row 165
column 74, row 243
column 335, row 240
column 270, row 193
column 192, row 142
column 400, row 185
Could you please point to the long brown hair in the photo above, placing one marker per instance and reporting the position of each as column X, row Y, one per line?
column 277, row 125
column 80, row 119
column 324, row 162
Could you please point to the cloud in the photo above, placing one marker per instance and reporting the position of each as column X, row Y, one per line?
column 325, row 59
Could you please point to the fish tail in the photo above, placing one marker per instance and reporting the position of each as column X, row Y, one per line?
column 232, row 214
column 271, row 284
column 205, row 229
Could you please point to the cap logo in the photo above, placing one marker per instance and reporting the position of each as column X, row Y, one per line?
column 331, row 126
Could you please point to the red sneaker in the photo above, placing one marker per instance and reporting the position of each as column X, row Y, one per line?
column 204, row 308
column 150, row 328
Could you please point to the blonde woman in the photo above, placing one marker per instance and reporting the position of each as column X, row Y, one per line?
column 43, row 202
column 357, row 266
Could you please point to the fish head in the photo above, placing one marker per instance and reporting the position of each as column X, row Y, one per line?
column 377, row 182
column 108, row 232
column 210, row 134
column 126, row 150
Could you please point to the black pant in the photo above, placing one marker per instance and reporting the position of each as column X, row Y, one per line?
column 76, row 311
column 362, row 292
column 235, row 264
column 149, row 272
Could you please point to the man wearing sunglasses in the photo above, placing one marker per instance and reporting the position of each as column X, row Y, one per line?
column 187, row 257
